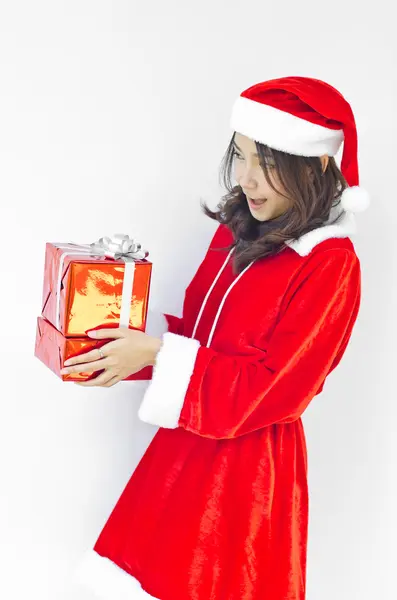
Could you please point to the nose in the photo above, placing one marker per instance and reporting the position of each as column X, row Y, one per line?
column 246, row 178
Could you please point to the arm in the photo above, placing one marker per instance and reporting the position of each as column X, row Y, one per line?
column 220, row 396
column 157, row 324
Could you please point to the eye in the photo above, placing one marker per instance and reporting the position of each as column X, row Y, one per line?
column 269, row 165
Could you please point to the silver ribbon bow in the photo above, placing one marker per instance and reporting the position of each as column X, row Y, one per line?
column 119, row 246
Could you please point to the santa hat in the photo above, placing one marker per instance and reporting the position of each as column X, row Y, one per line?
column 303, row 116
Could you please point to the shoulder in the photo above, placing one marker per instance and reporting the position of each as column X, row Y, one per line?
column 333, row 251
column 222, row 237
column 329, row 274
column 332, row 263
column 329, row 249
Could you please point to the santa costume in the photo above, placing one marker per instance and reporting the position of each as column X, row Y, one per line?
column 217, row 508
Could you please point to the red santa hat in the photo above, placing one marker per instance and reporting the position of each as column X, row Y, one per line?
column 304, row 116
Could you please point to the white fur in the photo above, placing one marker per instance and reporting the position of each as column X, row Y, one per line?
column 355, row 199
column 282, row 131
column 345, row 227
column 107, row 580
column 164, row 397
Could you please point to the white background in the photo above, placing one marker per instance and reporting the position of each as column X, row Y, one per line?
column 114, row 118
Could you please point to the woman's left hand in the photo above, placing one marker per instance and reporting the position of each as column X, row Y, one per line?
column 131, row 351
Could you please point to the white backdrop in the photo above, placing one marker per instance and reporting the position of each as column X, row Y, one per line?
column 114, row 118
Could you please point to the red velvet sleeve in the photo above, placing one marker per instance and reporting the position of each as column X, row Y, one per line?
column 175, row 324
column 222, row 396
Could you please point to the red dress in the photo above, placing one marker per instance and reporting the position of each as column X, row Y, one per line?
column 217, row 508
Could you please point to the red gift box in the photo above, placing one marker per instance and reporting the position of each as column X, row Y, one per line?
column 90, row 286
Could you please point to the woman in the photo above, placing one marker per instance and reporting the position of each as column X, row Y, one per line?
column 217, row 509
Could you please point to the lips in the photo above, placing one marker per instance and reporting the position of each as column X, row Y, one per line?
column 256, row 203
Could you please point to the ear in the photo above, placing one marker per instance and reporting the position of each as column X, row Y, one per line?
column 324, row 162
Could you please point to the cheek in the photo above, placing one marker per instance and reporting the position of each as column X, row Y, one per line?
column 268, row 192
column 280, row 204
column 267, row 188
column 276, row 198
column 238, row 170
column 276, row 204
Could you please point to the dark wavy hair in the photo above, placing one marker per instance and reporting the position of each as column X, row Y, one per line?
column 312, row 194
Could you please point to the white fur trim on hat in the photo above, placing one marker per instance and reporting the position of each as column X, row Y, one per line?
column 282, row 131
column 355, row 199
column 164, row 397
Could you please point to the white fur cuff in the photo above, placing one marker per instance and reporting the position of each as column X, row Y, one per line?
column 164, row 397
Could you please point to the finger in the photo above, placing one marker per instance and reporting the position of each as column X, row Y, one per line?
column 88, row 356
column 112, row 382
column 100, row 380
column 114, row 332
column 86, row 367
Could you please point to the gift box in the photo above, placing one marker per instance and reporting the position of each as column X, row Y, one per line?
column 53, row 348
column 91, row 286
column 106, row 283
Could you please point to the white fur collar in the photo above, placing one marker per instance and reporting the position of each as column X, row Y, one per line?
column 345, row 227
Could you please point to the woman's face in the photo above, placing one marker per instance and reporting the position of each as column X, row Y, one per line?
column 250, row 176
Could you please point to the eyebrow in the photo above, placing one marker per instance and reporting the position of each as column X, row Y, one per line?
column 236, row 146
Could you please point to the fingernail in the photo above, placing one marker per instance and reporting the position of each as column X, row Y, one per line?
column 91, row 333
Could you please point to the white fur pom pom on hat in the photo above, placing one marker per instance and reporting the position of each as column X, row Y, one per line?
column 355, row 199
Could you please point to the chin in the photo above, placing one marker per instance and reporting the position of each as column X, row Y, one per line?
column 265, row 216
column 261, row 217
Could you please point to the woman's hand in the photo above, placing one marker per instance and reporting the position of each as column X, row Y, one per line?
column 131, row 351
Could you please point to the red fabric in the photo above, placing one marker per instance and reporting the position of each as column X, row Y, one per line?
column 175, row 324
column 217, row 509
column 317, row 102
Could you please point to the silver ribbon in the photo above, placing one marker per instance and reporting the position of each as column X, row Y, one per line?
column 119, row 246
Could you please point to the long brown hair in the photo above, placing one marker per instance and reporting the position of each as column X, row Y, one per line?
column 311, row 191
